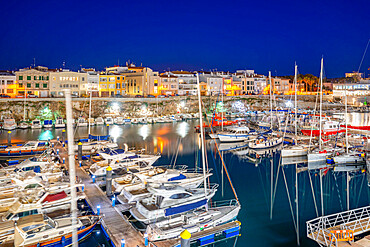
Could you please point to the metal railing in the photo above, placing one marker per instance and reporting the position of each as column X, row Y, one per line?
column 320, row 229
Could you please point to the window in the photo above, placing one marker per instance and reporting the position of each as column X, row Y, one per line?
column 180, row 196
column 10, row 82
column 45, row 85
column 37, row 85
column 21, row 77
column 28, row 85
column 28, row 77
column 103, row 79
column 83, row 78
column 118, row 78
column 9, row 91
column 47, row 77
column 35, row 77
column 118, row 85
column 111, row 86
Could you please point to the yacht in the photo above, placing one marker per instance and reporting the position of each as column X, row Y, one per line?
column 294, row 151
column 81, row 122
column 59, row 123
column 170, row 201
column 119, row 120
column 36, row 124
column 109, row 120
column 263, row 142
column 143, row 121
column 194, row 221
column 24, row 125
column 30, row 148
column 237, row 134
column 48, row 123
column 99, row 121
column 9, row 124
column 40, row 230
column 91, row 121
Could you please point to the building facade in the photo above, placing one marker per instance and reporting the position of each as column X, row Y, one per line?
column 7, row 83
column 33, row 81
column 168, row 84
column 65, row 79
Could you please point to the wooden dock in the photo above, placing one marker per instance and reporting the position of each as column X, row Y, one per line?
column 113, row 222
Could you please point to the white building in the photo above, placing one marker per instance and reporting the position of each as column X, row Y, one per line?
column 92, row 82
column 187, row 82
column 65, row 79
column 6, row 78
column 214, row 83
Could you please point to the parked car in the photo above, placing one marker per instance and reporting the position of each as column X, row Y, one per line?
column 19, row 96
column 118, row 96
column 138, row 96
column 161, row 96
column 32, row 96
column 151, row 96
column 4, row 95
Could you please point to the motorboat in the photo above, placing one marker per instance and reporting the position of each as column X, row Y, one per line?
column 91, row 121
column 194, row 221
column 294, row 150
column 48, row 124
column 143, row 121
column 81, row 122
column 40, row 230
column 137, row 189
column 328, row 128
column 236, row 134
column 24, row 125
column 99, row 121
column 9, row 124
column 263, row 142
column 59, row 123
column 134, row 121
column 134, row 163
column 119, row 120
column 29, row 148
column 168, row 201
column 36, row 124
column 109, row 120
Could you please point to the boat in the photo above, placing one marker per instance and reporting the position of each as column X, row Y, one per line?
column 81, row 122
column 59, row 123
column 134, row 121
column 99, row 121
column 328, row 128
column 91, row 121
column 237, row 134
column 96, row 143
column 40, row 230
column 119, row 120
column 143, row 121
column 294, row 151
column 194, row 221
column 29, row 148
column 263, row 142
column 48, row 123
column 109, row 120
column 9, row 124
column 168, row 201
column 24, row 125
column 7, row 233
column 36, row 124
column 127, row 121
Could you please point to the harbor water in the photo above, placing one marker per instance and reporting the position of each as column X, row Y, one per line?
column 266, row 188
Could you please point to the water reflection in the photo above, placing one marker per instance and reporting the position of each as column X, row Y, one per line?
column 115, row 132
column 144, row 131
column 182, row 129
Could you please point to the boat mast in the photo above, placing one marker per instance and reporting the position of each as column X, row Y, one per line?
column 270, row 101
column 89, row 110
column 346, row 119
column 295, row 99
column 202, row 137
column 321, row 72
column 72, row 171
column 24, row 106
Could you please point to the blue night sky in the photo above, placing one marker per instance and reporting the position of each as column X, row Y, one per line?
column 189, row 35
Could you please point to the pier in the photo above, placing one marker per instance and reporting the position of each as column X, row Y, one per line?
column 117, row 227
column 114, row 224
column 341, row 228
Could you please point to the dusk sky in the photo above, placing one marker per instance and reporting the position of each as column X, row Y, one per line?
column 189, row 35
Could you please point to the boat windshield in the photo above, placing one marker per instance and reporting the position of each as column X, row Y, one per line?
column 9, row 121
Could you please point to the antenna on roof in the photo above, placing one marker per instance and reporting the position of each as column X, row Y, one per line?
column 64, row 64
column 34, row 62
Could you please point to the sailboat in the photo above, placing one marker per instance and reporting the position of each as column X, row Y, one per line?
column 319, row 155
column 296, row 149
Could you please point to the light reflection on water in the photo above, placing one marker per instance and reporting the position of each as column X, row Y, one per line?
column 252, row 182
